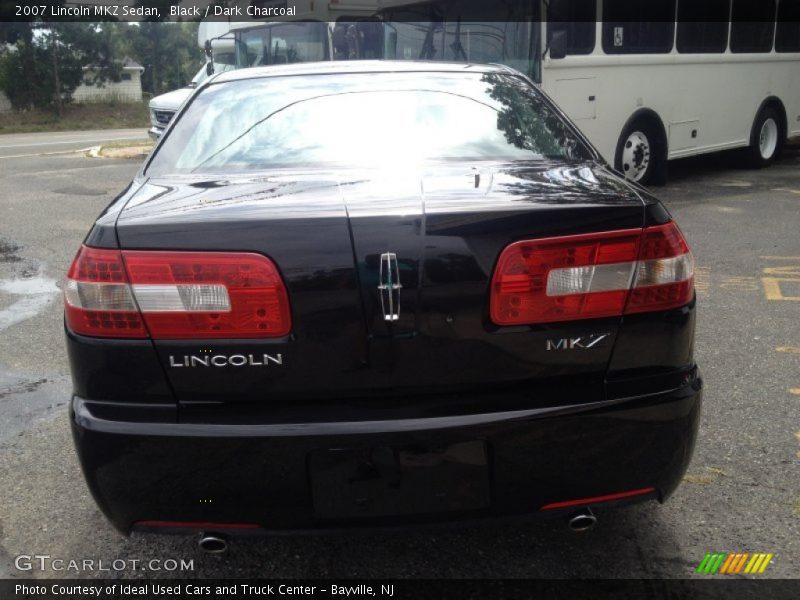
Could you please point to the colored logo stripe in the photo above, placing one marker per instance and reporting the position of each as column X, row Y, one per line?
column 734, row 563
column 711, row 562
column 758, row 563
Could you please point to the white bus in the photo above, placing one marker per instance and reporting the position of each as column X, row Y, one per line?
column 646, row 81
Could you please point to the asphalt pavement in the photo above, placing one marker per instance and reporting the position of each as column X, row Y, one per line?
column 741, row 494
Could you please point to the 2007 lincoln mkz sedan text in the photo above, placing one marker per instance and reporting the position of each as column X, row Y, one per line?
column 375, row 294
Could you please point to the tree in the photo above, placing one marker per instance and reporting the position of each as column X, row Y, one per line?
column 45, row 64
column 17, row 64
column 168, row 51
column 46, row 61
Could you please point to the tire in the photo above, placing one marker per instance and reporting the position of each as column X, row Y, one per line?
column 766, row 138
column 641, row 154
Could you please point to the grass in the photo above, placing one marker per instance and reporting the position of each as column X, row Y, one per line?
column 101, row 115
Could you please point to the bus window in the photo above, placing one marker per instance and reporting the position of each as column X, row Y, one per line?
column 577, row 19
column 787, row 35
column 414, row 33
column 651, row 32
column 506, row 42
column 357, row 40
column 298, row 42
column 703, row 27
column 282, row 43
column 466, row 31
column 752, row 25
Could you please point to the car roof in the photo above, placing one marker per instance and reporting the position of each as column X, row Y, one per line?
column 358, row 66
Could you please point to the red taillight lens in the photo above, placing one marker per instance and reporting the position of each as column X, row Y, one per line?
column 97, row 299
column 209, row 294
column 181, row 295
column 592, row 276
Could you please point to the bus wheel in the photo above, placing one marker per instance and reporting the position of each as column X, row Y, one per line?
column 640, row 154
column 765, row 138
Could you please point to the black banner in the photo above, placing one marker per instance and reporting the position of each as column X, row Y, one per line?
column 411, row 11
column 318, row 589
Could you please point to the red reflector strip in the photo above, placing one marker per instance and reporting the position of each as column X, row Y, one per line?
column 599, row 499
column 591, row 276
column 196, row 525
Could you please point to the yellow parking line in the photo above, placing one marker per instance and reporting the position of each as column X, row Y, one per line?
column 779, row 257
column 772, row 288
column 788, row 349
column 795, row 391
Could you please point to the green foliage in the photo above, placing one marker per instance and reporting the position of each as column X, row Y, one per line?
column 168, row 52
column 44, row 63
column 539, row 130
column 27, row 73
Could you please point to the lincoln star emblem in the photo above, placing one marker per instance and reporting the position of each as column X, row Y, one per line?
column 389, row 286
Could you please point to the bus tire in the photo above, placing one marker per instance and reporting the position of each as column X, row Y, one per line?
column 641, row 153
column 766, row 138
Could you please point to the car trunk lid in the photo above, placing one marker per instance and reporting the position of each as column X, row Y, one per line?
column 388, row 276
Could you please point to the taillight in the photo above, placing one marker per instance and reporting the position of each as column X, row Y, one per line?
column 591, row 276
column 97, row 297
column 175, row 295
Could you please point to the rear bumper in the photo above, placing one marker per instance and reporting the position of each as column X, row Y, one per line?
column 257, row 477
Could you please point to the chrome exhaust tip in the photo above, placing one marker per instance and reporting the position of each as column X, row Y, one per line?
column 212, row 543
column 582, row 520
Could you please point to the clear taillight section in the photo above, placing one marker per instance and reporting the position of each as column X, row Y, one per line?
column 591, row 276
column 175, row 295
column 665, row 271
column 97, row 298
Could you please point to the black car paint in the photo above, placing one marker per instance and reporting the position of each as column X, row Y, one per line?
column 557, row 424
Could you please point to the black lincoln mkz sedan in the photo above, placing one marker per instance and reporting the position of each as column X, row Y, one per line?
column 378, row 293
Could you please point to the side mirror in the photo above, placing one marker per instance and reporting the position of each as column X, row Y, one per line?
column 209, row 68
column 558, row 44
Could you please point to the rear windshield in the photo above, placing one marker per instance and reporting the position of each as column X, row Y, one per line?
column 357, row 120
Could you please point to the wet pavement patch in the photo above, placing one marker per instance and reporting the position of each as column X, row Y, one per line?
column 8, row 252
column 32, row 295
column 26, row 387
column 79, row 190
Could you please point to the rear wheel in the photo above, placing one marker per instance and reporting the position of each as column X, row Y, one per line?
column 766, row 138
column 640, row 153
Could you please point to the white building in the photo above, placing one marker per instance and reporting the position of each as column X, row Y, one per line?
column 128, row 89
column 5, row 104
